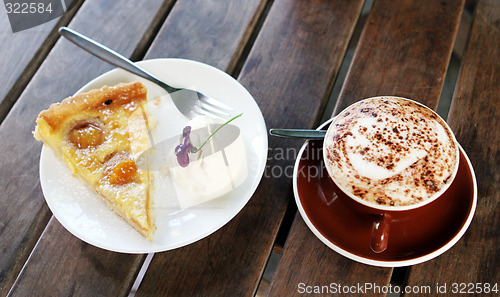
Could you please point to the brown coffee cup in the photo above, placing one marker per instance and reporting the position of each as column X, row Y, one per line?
column 390, row 154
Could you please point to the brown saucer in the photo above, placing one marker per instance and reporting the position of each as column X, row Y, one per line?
column 414, row 237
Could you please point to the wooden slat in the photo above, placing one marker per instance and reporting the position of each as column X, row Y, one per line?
column 212, row 32
column 475, row 119
column 22, row 54
column 289, row 71
column 406, row 49
column 403, row 50
column 23, row 212
column 44, row 247
column 63, row 265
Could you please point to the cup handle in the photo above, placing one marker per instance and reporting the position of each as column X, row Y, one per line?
column 380, row 233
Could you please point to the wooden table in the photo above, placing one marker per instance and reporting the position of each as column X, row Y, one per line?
column 288, row 54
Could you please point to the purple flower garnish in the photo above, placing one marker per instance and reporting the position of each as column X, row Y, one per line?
column 182, row 150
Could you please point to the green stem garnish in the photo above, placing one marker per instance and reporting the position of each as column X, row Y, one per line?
column 185, row 147
column 196, row 149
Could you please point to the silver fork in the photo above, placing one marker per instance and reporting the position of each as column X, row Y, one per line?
column 189, row 102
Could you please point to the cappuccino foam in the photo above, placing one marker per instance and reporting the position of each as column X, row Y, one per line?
column 390, row 151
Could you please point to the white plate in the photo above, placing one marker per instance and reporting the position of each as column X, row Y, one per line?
column 82, row 212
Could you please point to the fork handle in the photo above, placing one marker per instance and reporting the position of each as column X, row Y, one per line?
column 111, row 56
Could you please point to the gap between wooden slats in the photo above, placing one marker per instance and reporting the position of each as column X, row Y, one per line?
column 166, row 262
column 27, row 58
column 475, row 119
column 25, row 66
column 399, row 274
column 273, row 261
column 65, row 69
column 233, row 68
column 429, row 95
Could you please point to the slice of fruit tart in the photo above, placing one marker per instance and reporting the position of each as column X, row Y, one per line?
column 100, row 135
